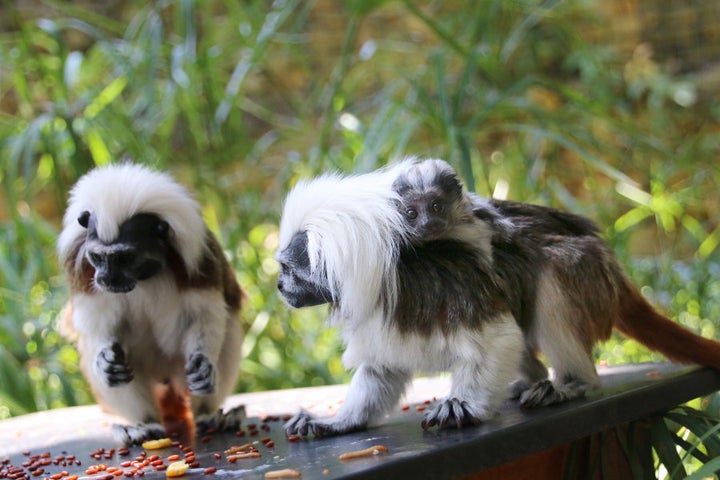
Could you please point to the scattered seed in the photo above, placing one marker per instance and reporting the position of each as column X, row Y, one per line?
column 374, row 450
column 237, row 448
column 242, row 456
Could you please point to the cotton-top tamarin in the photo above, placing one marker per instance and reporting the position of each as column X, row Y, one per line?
column 477, row 293
column 400, row 309
column 153, row 302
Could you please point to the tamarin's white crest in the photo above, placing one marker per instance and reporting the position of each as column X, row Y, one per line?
column 153, row 302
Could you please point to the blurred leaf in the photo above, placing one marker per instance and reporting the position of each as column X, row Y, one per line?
column 710, row 243
column 98, row 149
column 631, row 218
column 568, row 143
column 705, row 431
column 664, row 445
column 713, row 466
column 17, row 391
column 105, row 97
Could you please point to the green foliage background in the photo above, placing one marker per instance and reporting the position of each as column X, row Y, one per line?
column 241, row 99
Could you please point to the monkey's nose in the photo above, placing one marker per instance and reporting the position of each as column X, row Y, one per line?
column 280, row 285
column 122, row 258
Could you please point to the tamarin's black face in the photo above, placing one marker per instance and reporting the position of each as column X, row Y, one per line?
column 429, row 203
column 138, row 253
column 295, row 281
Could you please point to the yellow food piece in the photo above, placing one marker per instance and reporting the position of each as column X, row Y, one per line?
column 156, row 444
column 374, row 450
column 176, row 469
column 286, row 473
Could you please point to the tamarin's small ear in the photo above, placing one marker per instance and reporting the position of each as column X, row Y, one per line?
column 84, row 218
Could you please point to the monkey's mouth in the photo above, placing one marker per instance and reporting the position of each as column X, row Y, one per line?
column 305, row 297
column 302, row 299
column 115, row 286
column 429, row 234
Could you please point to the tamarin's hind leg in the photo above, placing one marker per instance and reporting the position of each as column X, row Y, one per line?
column 558, row 332
column 532, row 370
column 574, row 375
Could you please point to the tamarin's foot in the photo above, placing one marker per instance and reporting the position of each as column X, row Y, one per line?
column 137, row 434
column 222, row 420
column 304, row 424
column 451, row 412
column 546, row 393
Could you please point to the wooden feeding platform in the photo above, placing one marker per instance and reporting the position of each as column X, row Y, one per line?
column 518, row 444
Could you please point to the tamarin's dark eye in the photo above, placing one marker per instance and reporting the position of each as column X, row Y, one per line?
column 162, row 228
column 411, row 213
column 437, row 207
column 84, row 218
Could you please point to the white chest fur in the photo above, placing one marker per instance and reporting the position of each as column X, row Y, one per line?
column 376, row 343
column 154, row 313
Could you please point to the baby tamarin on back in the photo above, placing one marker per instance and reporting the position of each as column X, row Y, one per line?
column 433, row 202
column 564, row 285
column 153, row 302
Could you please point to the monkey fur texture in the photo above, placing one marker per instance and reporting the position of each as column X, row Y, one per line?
column 434, row 307
column 451, row 292
column 153, row 303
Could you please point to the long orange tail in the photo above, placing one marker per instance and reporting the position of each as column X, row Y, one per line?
column 176, row 414
column 639, row 320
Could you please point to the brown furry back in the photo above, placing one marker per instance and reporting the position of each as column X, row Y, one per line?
column 639, row 320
